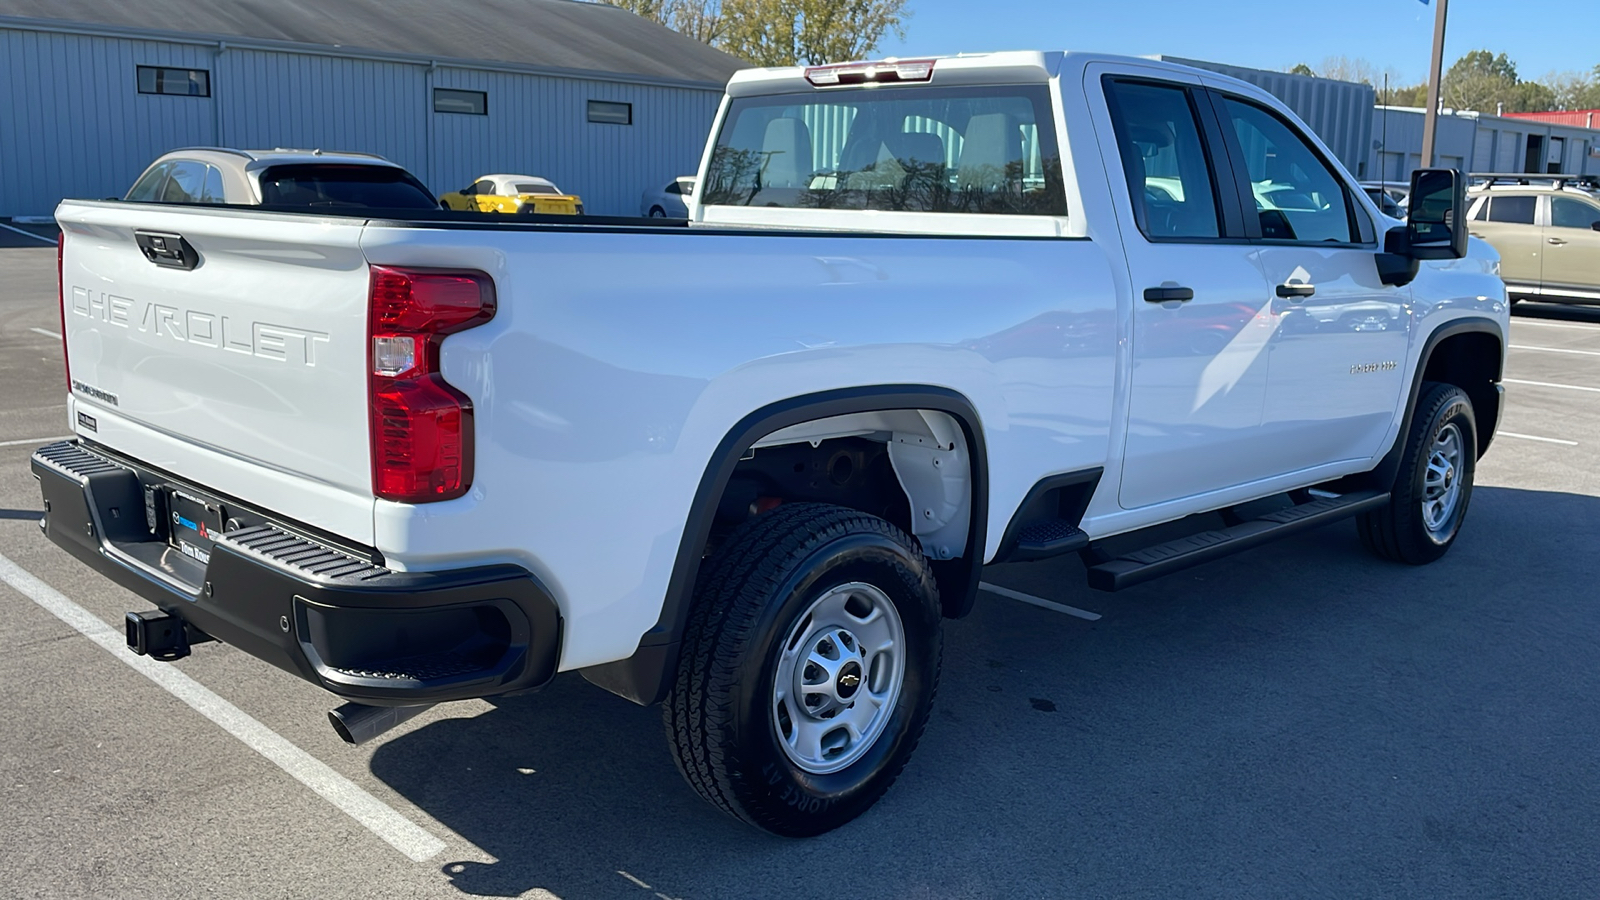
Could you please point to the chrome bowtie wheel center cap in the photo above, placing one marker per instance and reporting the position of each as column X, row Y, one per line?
column 838, row 678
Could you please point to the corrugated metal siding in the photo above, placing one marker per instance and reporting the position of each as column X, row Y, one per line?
column 540, row 126
column 1340, row 112
column 290, row 100
column 1481, row 143
column 72, row 123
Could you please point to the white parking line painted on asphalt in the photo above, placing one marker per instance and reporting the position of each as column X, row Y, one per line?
column 46, row 332
column 1534, row 437
column 27, row 234
column 1549, row 384
column 379, row 818
column 1555, row 350
column 1038, row 601
column 1581, row 326
column 37, row 441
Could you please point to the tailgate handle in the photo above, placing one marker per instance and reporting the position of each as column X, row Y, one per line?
column 167, row 249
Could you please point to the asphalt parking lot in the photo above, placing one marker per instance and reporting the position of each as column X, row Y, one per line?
column 1297, row 721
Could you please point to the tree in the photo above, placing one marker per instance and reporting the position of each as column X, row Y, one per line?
column 1573, row 90
column 1385, row 83
column 1482, row 81
column 809, row 32
column 700, row 19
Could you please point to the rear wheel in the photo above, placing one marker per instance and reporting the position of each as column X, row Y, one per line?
column 657, row 212
column 1429, row 499
column 807, row 670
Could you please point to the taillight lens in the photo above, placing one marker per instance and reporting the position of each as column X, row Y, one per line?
column 421, row 426
column 61, row 300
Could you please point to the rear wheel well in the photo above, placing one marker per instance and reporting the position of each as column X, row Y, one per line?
column 1470, row 361
column 911, row 467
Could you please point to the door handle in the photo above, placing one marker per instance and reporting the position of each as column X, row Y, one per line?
column 1165, row 293
column 1556, row 241
column 1296, row 291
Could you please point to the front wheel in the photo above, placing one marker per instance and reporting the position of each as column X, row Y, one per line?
column 1430, row 495
column 657, row 212
column 807, row 670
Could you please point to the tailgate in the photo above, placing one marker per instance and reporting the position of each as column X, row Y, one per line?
column 245, row 373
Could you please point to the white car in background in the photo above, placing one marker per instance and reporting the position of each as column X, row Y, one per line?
column 669, row 202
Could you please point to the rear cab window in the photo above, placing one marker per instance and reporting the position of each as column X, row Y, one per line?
column 981, row 149
column 337, row 185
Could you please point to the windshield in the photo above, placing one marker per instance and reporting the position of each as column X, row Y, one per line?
column 322, row 185
column 986, row 149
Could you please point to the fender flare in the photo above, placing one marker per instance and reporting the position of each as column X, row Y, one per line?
column 645, row 676
column 1384, row 474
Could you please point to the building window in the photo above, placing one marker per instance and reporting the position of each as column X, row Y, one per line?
column 181, row 82
column 607, row 113
column 467, row 103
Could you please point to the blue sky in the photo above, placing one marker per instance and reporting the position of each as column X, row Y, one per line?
column 1539, row 35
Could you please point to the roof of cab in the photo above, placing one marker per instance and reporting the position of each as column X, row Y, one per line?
column 1004, row 67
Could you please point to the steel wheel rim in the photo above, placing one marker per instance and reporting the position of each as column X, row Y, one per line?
column 1441, row 480
column 838, row 678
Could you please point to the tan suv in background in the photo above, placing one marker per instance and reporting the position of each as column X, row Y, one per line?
column 1548, row 235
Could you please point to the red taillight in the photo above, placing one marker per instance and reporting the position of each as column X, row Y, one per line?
column 887, row 71
column 61, row 299
column 421, row 426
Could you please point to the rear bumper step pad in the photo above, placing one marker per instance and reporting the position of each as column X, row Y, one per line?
column 350, row 625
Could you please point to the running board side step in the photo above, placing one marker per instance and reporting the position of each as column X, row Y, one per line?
column 1152, row 562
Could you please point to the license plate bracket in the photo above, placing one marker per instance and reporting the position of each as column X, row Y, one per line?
column 193, row 521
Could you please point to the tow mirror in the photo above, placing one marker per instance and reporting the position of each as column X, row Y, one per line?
column 1436, row 218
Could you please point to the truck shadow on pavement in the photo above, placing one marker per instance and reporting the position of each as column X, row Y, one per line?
column 1297, row 720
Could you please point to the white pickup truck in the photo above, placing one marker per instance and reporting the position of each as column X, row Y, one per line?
column 925, row 316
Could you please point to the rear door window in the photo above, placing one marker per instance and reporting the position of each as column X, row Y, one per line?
column 334, row 186
column 1512, row 210
column 917, row 149
column 1169, row 177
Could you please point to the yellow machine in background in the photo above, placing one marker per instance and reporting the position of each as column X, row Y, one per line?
column 527, row 194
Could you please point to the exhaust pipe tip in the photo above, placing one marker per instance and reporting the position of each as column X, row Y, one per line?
column 357, row 723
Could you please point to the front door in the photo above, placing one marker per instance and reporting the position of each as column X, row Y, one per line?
column 1572, row 248
column 1201, row 317
column 1338, row 356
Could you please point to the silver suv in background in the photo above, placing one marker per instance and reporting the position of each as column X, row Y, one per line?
column 292, row 178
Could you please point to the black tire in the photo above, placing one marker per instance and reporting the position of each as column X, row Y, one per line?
column 1401, row 531
column 657, row 212
column 720, row 713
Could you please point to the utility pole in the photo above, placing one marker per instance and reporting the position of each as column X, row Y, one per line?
column 1431, row 122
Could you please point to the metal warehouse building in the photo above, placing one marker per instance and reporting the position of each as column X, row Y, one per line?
column 1340, row 112
column 1478, row 142
column 599, row 100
